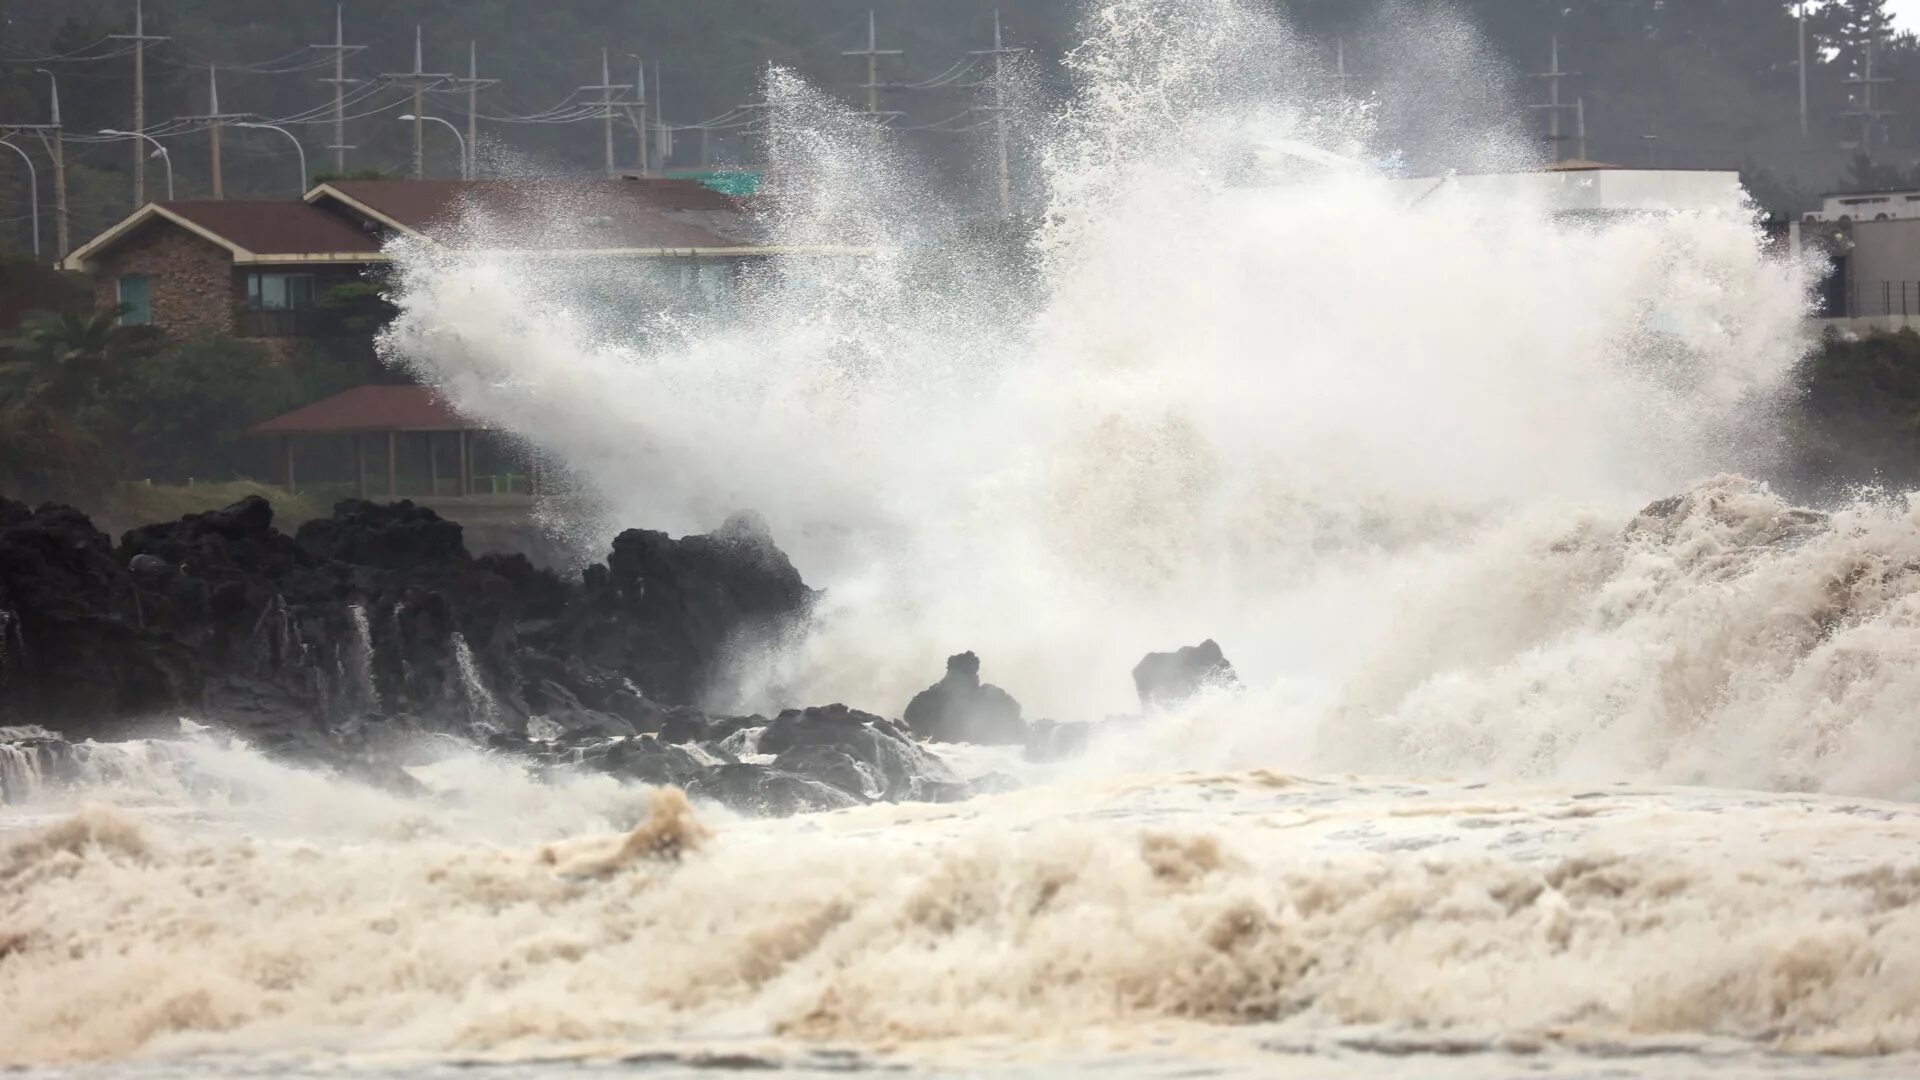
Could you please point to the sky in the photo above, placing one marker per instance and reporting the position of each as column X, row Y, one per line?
column 1906, row 12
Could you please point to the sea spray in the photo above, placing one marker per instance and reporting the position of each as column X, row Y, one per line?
column 1249, row 397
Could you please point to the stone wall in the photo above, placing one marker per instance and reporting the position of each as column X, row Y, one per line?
column 190, row 281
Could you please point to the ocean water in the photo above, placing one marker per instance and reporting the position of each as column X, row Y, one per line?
column 223, row 915
column 1529, row 776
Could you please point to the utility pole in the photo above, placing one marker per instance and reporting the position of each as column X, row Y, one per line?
column 1802, row 6
column 1002, row 176
column 637, row 114
column 139, row 37
column 214, row 119
column 873, row 52
column 54, row 144
column 607, row 101
column 473, row 84
column 419, row 79
column 1580, row 125
column 1341, row 76
column 1553, row 75
column 1869, row 116
column 659, row 115
column 340, row 49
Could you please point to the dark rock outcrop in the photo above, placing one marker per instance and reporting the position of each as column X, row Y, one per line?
column 665, row 612
column 863, row 754
column 1166, row 680
column 375, row 627
column 960, row 708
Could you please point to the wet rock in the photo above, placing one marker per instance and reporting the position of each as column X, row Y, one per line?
column 31, row 760
column 665, row 612
column 960, row 708
column 79, row 654
column 389, row 536
column 765, row 791
column 1166, row 680
column 889, row 763
column 644, row 759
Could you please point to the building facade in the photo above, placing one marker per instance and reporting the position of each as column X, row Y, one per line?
column 265, row 268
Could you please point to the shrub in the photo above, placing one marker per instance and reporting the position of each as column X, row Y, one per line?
column 45, row 456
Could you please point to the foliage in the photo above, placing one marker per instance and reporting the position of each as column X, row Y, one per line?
column 357, row 308
column 1859, row 413
column 183, row 411
column 62, row 359
column 46, row 456
column 27, row 285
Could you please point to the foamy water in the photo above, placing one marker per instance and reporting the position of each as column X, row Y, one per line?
column 1522, row 781
column 1256, row 922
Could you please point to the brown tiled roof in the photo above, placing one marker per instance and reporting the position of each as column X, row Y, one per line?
column 369, row 408
column 580, row 215
column 276, row 226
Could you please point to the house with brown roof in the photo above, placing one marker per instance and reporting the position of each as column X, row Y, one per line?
column 259, row 268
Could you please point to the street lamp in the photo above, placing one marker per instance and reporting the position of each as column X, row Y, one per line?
column 159, row 151
column 33, row 193
column 297, row 148
column 466, row 167
column 55, row 83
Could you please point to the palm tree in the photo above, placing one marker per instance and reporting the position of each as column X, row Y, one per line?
column 59, row 359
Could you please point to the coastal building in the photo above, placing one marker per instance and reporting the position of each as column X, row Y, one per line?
column 265, row 268
column 1589, row 188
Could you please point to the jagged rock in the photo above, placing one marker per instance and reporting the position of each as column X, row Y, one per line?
column 644, row 759
column 664, row 612
column 79, row 654
column 890, row 765
column 390, row 536
column 1165, row 680
column 760, row 789
column 374, row 630
column 32, row 758
column 960, row 708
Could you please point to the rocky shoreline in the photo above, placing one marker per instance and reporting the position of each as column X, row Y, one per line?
column 374, row 626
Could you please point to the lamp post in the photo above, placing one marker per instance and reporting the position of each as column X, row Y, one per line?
column 159, row 151
column 466, row 167
column 57, row 150
column 33, row 193
column 297, row 148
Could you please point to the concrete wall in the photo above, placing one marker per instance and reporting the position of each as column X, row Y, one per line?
column 1884, row 251
column 190, row 281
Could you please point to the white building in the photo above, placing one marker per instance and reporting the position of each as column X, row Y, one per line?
column 1845, row 208
column 1590, row 188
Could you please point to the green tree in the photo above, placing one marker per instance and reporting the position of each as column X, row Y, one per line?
column 63, row 359
column 183, row 412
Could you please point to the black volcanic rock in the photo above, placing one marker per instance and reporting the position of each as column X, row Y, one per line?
column 960, row 708
column 1164, row 680
column 763, row 790
column 77, row 653
column 881, row 760
column 665, row 611
column 375, row 628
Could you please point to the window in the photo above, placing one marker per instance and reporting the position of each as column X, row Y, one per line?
column 133, row 294
column 279, row 292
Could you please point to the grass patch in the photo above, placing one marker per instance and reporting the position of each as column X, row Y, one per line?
column 130, row 505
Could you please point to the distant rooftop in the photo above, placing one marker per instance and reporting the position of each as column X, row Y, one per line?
column 369, row 408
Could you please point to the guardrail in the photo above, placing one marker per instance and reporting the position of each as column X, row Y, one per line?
column 1874, row 299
